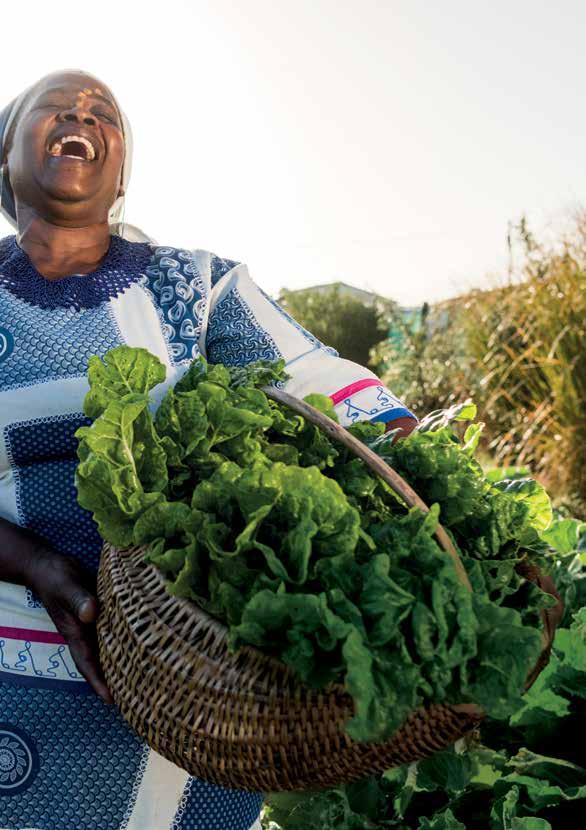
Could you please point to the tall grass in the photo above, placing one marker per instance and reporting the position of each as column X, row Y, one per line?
column 520, row 352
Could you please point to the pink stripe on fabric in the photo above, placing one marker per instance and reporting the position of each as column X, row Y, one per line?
column 357, row 386
column 32, row 635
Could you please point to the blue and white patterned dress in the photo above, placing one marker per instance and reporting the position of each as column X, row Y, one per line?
column 68, row 760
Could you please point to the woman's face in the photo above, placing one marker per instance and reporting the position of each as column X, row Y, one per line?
column 68, row 182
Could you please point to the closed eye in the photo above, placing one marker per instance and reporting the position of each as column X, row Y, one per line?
column 103, row 114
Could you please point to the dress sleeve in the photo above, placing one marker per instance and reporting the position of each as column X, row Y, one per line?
column 243, row 324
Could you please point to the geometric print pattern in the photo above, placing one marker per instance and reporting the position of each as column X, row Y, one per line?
column 84, row 750
column 219, row 267
column 123, row 264
column 317, row 344
column 42, row 454
column 235, row 336
column 51, row 343
column 6, row 344
column 209, row 807
column 85, row 768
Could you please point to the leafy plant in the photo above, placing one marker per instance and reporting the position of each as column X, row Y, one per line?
column 527, row 774
column 255, row 515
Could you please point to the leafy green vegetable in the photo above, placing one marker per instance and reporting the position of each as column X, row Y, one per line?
column 441, row 821
column 122, row 468
column 254, row 514
column 123, row 371
column 518, row 785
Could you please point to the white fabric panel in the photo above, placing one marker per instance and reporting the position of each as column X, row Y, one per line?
column 321, row 372
column 139, row 322
column 158, row 795
column 15, row 611
column 8, row 508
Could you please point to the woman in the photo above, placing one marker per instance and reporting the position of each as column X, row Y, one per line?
column 76, row 282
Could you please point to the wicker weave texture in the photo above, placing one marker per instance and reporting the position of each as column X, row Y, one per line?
column 239, row 720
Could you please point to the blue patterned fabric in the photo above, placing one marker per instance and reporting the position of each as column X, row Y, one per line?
column 6, row 344
column 123, row 264
column 51, row 343
column 75, row 748
column 217, row 808
column 178, row 289
column 71, row 762
column 219, row 268
column 44, row 458
column 311, row 338
column 19, row 759
column 235, row 336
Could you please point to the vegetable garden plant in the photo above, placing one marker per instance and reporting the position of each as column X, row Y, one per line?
column 255, row 515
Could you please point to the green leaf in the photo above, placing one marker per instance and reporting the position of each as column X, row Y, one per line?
column 565, row 535
column 440, row 418
column 108, row 475
column 124, row 370
column 441, row 821
column 507, row 651
column 499, row 473
column 472, row 438
column 323, row 403
column 534, row 496
column 448, row 771
column 570, row 648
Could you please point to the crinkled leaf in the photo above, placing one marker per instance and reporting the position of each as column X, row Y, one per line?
column 108, row 477
column 123, row 370
column 565, row 535
column 534, row 496
column 323, row 403
column 441, row 821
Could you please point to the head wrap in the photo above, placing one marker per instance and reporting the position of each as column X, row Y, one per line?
column 8, row 118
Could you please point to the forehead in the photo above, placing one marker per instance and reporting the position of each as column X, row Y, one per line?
column 72, row 83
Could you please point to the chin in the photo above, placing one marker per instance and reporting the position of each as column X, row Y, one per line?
column 65, row 200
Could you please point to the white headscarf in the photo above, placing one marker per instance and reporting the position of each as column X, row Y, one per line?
column 116, row 213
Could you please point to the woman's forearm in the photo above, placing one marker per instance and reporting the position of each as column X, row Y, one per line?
column 18, row 547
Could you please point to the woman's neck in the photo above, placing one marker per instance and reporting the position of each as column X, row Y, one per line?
column 58, row 252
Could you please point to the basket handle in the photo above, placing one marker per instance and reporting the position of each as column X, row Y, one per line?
column 372, row 460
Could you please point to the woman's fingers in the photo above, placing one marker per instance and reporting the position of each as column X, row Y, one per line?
column 68, row 592
column 86, row 608
column 83, row 651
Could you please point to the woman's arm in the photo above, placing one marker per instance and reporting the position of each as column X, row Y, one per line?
column 243, row 325
column 66, row 589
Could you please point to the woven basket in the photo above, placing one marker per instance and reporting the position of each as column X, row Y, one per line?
column 244, row 720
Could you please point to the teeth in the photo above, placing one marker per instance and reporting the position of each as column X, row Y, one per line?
column 56, row 149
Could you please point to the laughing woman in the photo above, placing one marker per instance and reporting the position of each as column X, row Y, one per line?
column 74, row 282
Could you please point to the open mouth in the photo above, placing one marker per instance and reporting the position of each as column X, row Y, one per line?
column 74, row 146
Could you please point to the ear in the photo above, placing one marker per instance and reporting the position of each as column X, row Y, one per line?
column 121, row 192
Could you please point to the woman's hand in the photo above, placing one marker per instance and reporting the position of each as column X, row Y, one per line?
column 68, row 592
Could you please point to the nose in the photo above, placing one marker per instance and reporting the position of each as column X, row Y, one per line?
column 79, row 115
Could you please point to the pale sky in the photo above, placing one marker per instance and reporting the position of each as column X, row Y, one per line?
column 384, row 144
